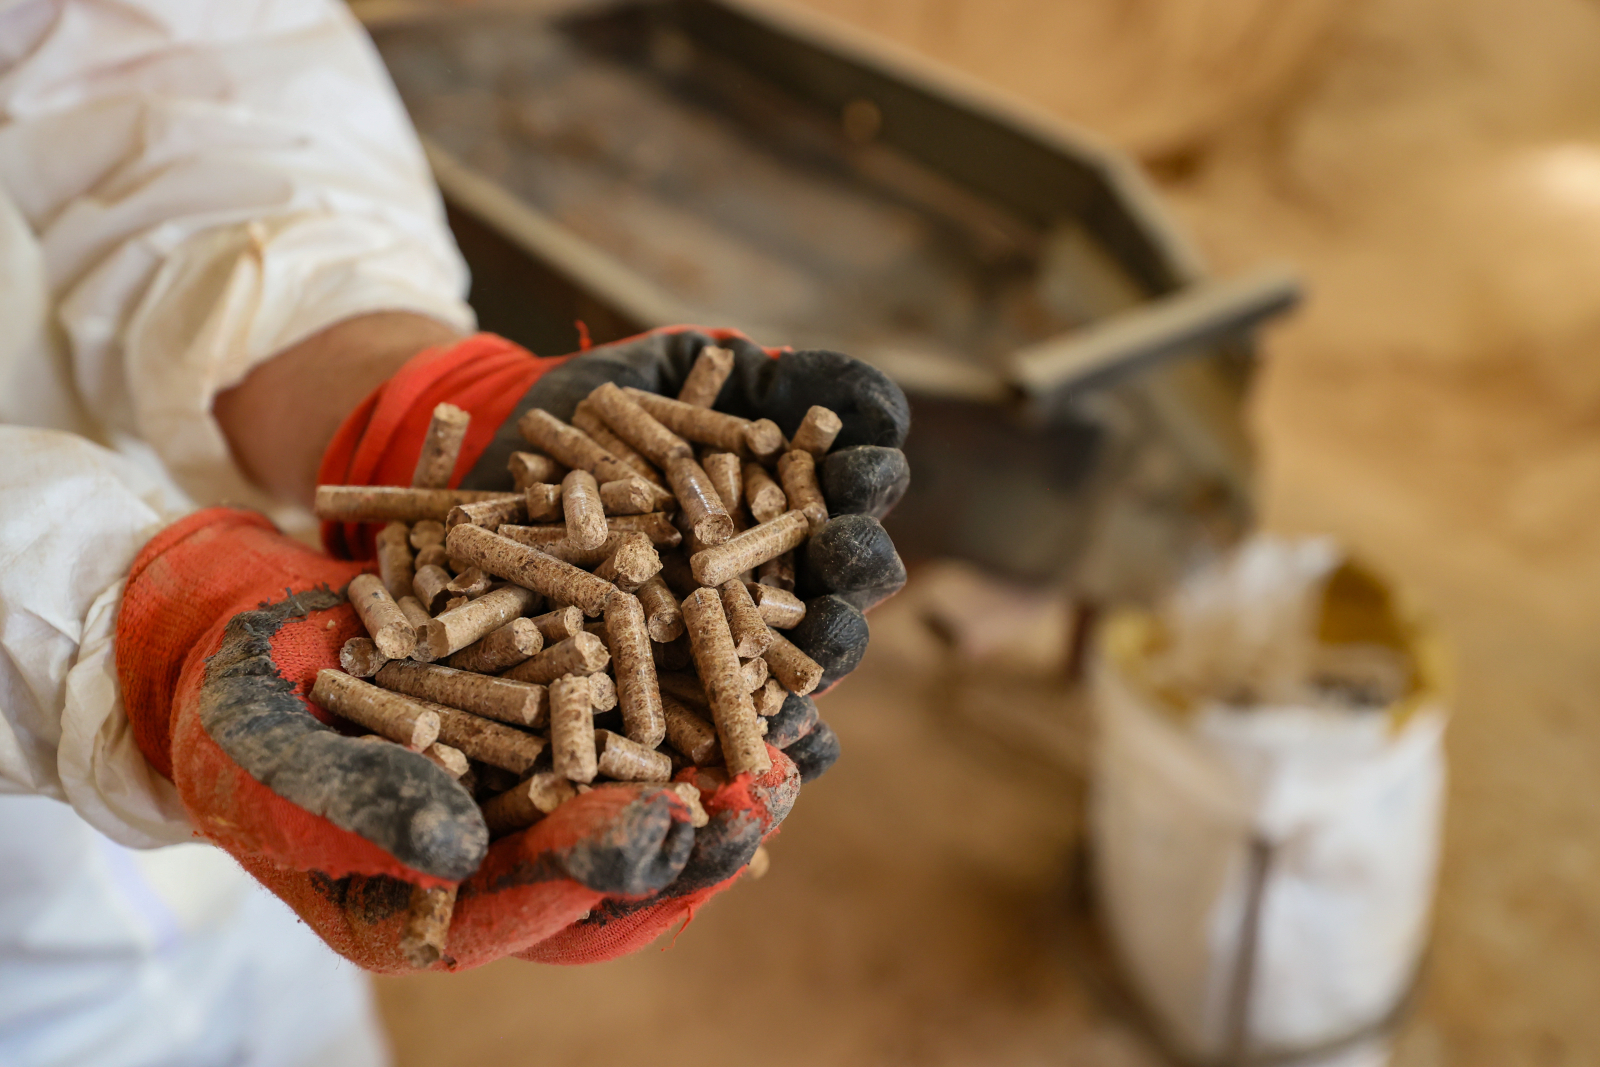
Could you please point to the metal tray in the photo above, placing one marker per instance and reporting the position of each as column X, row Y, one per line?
column 729, row 163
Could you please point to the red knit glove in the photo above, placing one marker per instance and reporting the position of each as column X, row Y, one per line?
column 223, row 627
column 378, row 444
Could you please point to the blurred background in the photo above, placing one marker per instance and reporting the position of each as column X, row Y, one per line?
column 1096, row 217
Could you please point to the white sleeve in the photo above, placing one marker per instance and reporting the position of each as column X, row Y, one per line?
column 72, row 517
column 211, row 182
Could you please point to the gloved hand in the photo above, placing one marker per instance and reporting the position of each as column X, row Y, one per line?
column 223, row 627
column 846, row 568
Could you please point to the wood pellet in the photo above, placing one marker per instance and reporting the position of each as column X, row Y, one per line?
column 705, row 380
column 441, row 447
column 587, row 418
column 395, row 560
column 569, row 634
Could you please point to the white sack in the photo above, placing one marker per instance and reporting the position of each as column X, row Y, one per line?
column 1347, row 806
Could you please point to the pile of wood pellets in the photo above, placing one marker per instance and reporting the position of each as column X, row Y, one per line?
column 616, row 618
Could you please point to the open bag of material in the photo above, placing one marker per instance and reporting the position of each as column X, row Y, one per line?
column 1267, row 800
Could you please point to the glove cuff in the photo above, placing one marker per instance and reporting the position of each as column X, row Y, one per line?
column 201, row 569
column 378, row 443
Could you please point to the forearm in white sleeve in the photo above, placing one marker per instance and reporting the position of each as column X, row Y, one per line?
column 211, row 183
column 72, row 517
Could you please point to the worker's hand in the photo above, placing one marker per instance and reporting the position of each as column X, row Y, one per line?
column 223, row 627
column 845, row 569
column 849, row 566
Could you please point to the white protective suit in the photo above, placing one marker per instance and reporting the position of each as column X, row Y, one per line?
column 186, row 189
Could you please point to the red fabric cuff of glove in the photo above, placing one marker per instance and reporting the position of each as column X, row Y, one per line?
column 378, row 443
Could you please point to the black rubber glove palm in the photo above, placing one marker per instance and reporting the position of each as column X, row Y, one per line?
column 844, row 569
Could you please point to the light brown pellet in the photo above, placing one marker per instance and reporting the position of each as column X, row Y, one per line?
column 395, row 565
column 425, row 930
column 489, row 513
column 691, row 796
column 526, row 802
column 387, row 714
column 757, row 545
column 431, row 584
column 760, row 864
column 500, row 699
column 558, row 625
column 631, row 497
column 543, row 502
column 702, row 508
column 764, row 440
column 390, row 503
column 723, row 470
column 711, row 644
column 798, row 472
column 798, row 672
column 779, row 608
column 581, row 508
column 586, row 418
column 626, row 558
column 755, row 673
column 412, row 609
column 637, row 426
column 663, row 618
column 470, row 583
column 538, row 536
column 629, row 761
column 769, row 698
column 704, row 382
column 500, row 649
column 433, row 556
column 691, row 543
column 690, row 734
column 382, row 617
column 750, row 633
column 716, row 428
column 580, row 654
column 605, row 692
column 360, row 657
column 441, row 447
column 671, row 655
column 635, row 670
column 531, row 568
column 655, row 526
column 425, row 533
column 452, row 761
column 456, row 628
column 456, row 601
column 817, row 431
column 632, row 562
column 487, row 741
column 764, row 496
column 572, row 741
column 572, row 446
column 778, row 572
column 529, row 467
